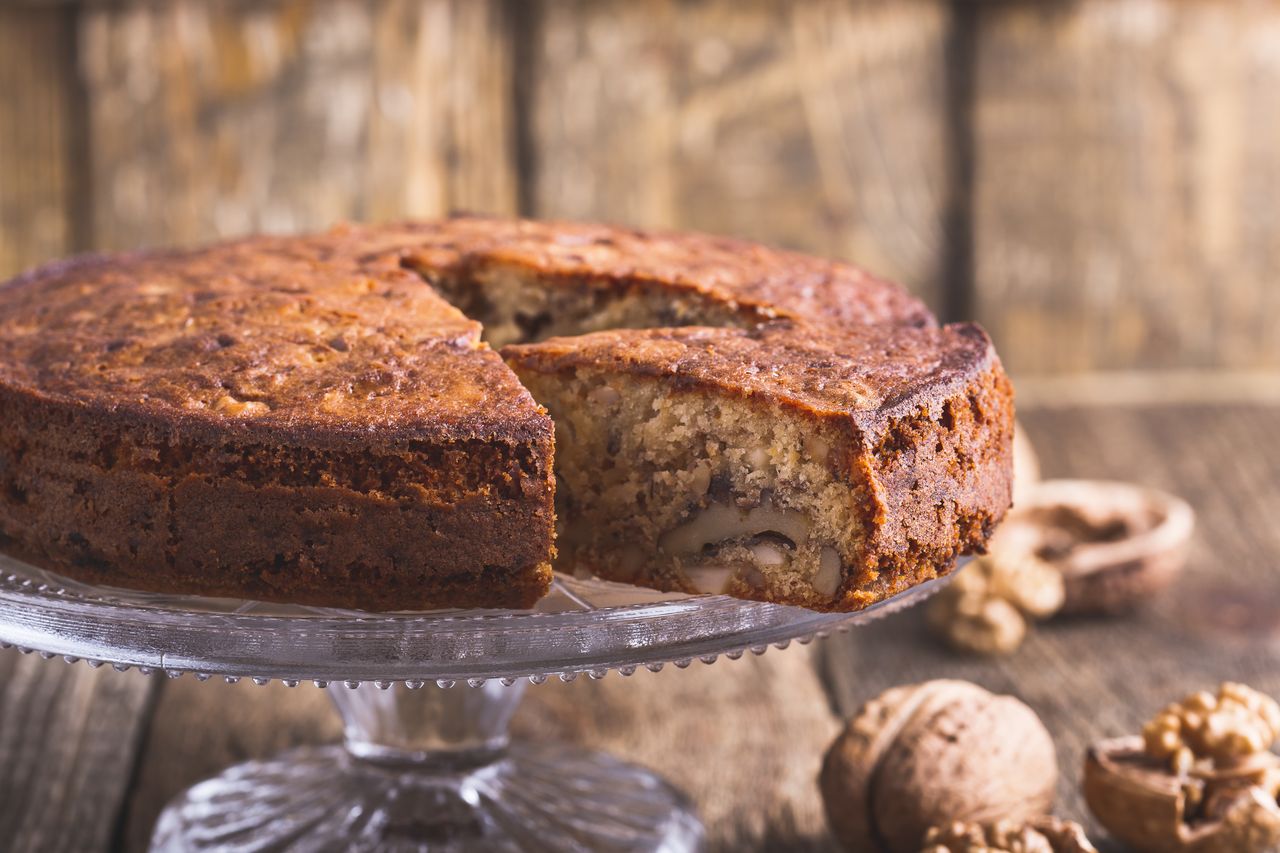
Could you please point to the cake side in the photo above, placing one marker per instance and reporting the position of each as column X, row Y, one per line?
column 941, row 464
column 778, row 463
column 247, row 421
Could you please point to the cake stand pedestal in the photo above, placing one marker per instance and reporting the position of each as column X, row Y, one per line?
column 425, row 699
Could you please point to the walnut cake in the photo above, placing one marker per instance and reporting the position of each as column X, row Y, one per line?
column 327, row 419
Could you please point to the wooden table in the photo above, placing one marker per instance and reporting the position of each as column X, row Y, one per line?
column 88, row 758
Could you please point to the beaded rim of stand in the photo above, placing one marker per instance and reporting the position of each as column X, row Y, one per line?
column 56, row 586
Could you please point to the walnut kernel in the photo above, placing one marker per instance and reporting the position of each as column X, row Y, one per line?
column 231, row 406
column 987, row 607
column 1223, row 729
column 1044, row 835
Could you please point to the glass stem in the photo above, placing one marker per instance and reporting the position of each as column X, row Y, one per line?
column 434, row 728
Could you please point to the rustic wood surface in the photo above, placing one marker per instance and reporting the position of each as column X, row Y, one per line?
column 69, row 741
column 39, row 135
column 743, row 738
column 1124, row 205
column 818, row 125
column 214, row 119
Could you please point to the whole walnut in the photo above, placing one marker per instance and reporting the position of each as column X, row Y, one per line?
column 929, row 754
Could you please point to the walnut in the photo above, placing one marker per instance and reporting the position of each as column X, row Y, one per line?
column 1224, row 729
column 231, row 406
column 1199, row 779
column 719, row 523
column 1116, row 544
column 927, row 754
column 1042, row 835
column 987, row 606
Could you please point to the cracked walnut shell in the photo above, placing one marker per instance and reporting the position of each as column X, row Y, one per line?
column 927, row 754
column 1201, row 778
column 1153, row 809
column 1116, row 544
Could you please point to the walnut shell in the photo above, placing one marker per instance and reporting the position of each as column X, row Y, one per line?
column 1154, row 810
column 1116, row 544
column 928, row 754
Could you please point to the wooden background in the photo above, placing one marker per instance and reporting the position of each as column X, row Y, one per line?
column 1096, row 181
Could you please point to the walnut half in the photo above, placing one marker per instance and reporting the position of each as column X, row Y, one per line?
column 988, row 605
column 1201, row 778
column 1222, row 729
column 1152, row 809
column 1043, row 835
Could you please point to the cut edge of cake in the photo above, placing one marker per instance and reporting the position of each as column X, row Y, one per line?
column 781, row 489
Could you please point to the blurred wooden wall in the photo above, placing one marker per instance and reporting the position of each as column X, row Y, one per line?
column 1097, row 181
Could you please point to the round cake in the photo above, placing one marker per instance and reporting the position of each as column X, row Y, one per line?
column 402, row 417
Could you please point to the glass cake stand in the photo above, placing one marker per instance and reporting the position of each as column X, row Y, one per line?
column 425, row 700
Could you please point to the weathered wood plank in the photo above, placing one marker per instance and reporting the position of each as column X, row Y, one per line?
column 1091, row 678
column 743, row 738
column 817, row 125
column 221, row 118
column 200, row 729
column 1127, row 192
column 766, row 718
column 68, row 739
column 38, row 173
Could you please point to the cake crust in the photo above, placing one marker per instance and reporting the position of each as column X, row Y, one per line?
column 247, row 420
column 313, row 419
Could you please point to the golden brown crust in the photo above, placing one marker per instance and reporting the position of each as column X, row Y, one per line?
column 346, row 423
column 865, row 372
column 313, row 395
column 254, row 338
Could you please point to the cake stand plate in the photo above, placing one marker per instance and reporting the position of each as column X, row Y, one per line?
column 425, row 700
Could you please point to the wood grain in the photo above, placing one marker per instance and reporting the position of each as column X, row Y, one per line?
column 220, row 118
column 742, row 738
column 1093, row 678
column 39, row 182
column 718, row 732
column 1127, row 189
column 68, row 742
column 817, row 125
column 200, row 729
